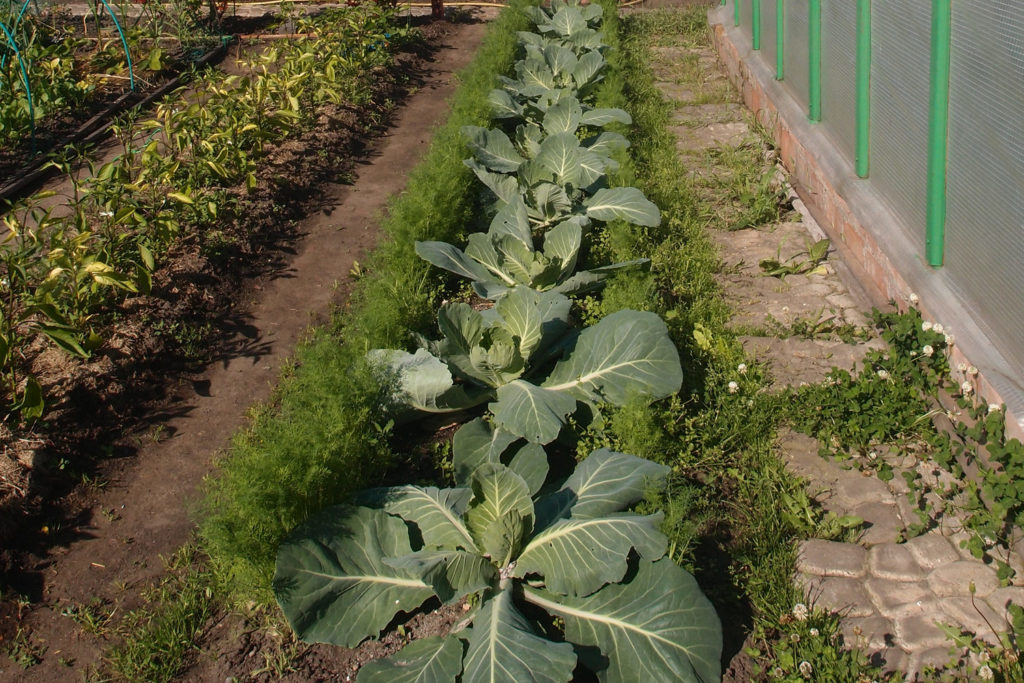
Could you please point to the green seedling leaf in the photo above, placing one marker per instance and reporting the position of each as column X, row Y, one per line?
column 437, row 513
column 605, row 482
column 451, row 573
column 31, row 404
column 427, row 660
column 331, row 580
column 503, row 646
column 180, row 197
column 627, row 354
column 578, row 556
column 625, row 203
column 422, row 381
column 657, row 627
column 602, row 117
column 531, row 412
column 493, row 149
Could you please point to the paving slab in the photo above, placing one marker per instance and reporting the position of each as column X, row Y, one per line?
column 889, row 594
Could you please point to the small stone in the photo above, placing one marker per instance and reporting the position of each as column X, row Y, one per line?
column 889, row 659
column 918, row 632
column 883, row 520
column 955, row 578
column 1001, row 597
column 830, row 558
column 937, row 657
column 893, row 561
column 899, row 598
column 855, row 490
column 977, row 617
column 839, row 594
column 867, row 633
column 932, row 550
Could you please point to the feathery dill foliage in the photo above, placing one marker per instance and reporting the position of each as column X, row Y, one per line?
column 326, row 434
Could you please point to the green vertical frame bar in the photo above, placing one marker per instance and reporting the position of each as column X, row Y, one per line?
column 755, row 24
column 863, row 87
column 780, row 40
column 938, row 131
column 736, row 12
column 814, row 54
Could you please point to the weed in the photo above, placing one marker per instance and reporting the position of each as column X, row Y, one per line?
column 23, row 651
column 157, row 635
column 816, row 254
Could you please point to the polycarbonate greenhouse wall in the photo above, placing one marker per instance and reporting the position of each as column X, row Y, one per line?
column 941, row 134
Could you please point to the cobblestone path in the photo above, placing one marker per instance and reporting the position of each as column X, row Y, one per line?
column 891, row 594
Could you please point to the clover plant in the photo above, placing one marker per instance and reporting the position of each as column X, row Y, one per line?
column 561, row 582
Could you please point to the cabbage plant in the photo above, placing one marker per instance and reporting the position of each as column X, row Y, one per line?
column 561, row 582
column 503, row 355
column 505, row 256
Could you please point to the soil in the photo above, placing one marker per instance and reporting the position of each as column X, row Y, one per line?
column 157, row 416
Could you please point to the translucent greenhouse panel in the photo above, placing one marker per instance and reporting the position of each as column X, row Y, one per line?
column 795, row 60
column 899, row 108
column 985, row 226
column 839, row 74
column 768, row 33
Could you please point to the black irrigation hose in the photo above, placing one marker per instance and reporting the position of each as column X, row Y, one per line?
column 96, row 127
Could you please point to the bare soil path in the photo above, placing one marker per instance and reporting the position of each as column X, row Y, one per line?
column 142, row 514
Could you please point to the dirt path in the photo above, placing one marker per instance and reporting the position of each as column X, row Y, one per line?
column 143, row 513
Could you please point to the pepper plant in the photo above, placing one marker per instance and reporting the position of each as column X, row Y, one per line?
column 558, row 583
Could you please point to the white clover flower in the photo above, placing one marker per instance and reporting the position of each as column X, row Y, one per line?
column 873, row 455
column 926, row 325
column 778, row 672
column 800, row 611
column 927, row 350
column 950, row 340
column 806, row 669
column 962, row 367
column 985, row 673
column 914, row 299
column 938, row 329
column 883, row 374
column 994, row 408
column 972, row 371
column 966, row 388
column 794, row 637
column 733, row 387
column 741, row 368
column 814, row 633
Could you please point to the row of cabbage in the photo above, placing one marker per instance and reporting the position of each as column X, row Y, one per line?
column 556, row 576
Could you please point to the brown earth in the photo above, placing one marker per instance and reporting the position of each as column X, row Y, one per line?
column 101, row 542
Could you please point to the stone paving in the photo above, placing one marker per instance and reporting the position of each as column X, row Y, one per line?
column 890, row 594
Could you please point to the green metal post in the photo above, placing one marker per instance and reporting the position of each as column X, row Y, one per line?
column 938, row 131
column 814, row 67
column 755, row 23
column 780, row 39
column 736, row 12
column 863, row 87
